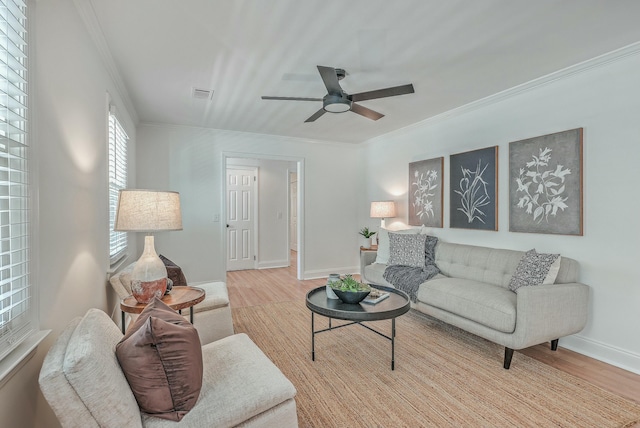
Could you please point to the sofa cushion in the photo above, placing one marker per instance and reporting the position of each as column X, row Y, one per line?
column 161, row 357
column 535, row 269
column 490, row 265
column 407, row 249
column 491, row 305
column 373, row 274
column 91, row 367
column 384, row 249
column 231, row 364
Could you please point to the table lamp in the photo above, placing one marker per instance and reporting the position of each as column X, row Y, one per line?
column 382, row 210
column 148, row 211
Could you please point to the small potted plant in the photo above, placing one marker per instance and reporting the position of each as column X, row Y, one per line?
column 350, row 290
column 369, row 235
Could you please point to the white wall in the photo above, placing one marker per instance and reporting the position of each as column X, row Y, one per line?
column 605, row 101
column 69, row 136
column 273, row 199
column 190, row 160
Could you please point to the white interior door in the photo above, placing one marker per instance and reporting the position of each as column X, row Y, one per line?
column 240, row 219
column 293, row 219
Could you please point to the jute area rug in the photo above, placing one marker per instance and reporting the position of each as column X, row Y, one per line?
column 444, row 377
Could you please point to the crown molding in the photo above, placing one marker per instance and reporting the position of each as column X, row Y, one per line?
column 88, row 15
column 572, row 70
column 285, row 138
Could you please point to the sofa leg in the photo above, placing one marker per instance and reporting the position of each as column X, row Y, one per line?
column 554, row 344
column 508, row 354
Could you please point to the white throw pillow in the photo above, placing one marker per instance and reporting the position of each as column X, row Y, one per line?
column 384, row 250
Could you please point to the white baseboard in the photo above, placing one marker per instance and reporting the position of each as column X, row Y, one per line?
column 273, row 264
column 601, row 351
column 324, row 273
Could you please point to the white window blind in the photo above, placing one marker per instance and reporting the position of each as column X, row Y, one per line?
column 17, row 308
column 117, row 181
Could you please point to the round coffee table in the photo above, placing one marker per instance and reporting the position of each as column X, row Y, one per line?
column 390, row 308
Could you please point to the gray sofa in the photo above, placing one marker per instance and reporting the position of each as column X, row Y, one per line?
column 85, row 386
column 472, row 293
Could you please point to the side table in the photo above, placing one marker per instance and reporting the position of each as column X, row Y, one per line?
column 179, row 298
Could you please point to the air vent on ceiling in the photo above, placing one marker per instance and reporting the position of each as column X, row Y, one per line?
column 202, row 94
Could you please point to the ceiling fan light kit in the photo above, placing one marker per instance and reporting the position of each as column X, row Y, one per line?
column 338, row 101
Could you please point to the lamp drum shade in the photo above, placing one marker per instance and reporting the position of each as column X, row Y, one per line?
column 148, row 211
column 383, row 209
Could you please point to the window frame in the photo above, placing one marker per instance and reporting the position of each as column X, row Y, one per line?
column 117, row 146
column 19, row 172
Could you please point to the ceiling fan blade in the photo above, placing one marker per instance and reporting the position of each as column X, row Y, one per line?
column 330, row 79
column 383, row 93
column 366, row 112
column 291, row 98
column 315, row 115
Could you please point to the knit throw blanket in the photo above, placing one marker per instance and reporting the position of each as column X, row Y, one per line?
column 407, row 278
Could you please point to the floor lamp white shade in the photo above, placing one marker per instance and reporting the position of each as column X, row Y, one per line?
column 382, row 210
column 148, row 211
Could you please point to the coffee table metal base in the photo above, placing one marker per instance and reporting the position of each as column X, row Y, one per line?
column 391, row 338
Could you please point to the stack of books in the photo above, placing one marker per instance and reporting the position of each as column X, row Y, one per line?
column 375, row 296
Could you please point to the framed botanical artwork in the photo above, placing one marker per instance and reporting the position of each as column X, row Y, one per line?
column 473, row 194
column 545, row 184
column 425, row 192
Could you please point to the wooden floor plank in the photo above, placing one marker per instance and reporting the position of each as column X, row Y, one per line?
column 265, row 286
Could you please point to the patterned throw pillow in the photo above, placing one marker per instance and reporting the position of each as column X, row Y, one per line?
column 407, row 250
column 384, row 249
column 535, row 269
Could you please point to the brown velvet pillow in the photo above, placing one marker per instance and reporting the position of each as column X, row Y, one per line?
column 161, row 357
column 174, row 272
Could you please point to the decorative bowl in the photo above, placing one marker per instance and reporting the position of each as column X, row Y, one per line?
column 352, row 297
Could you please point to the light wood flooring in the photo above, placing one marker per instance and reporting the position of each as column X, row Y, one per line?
column 261, row 287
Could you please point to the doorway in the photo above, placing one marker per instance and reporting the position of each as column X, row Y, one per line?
column 274, row 235
column 293, row 211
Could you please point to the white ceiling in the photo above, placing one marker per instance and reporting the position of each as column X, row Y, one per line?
column 454, row 52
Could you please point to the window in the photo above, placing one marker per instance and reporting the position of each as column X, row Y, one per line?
column 117, row 181
column 18, row 311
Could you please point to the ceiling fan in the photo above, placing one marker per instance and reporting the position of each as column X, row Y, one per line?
column 338, row 101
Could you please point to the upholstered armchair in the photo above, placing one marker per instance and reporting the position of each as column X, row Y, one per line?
column 86, row 387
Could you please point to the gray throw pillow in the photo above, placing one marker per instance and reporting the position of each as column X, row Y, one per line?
column 407, row 250
column 535, row 269
column 430, row 255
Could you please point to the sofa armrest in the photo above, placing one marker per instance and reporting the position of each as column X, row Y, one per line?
column 366, row 258
column 548, row 312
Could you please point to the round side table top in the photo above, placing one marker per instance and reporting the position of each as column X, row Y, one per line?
column 395, row 305
column 180, row 297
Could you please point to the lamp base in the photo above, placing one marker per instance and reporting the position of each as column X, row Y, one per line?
column 146, row 291
column 149, row 275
